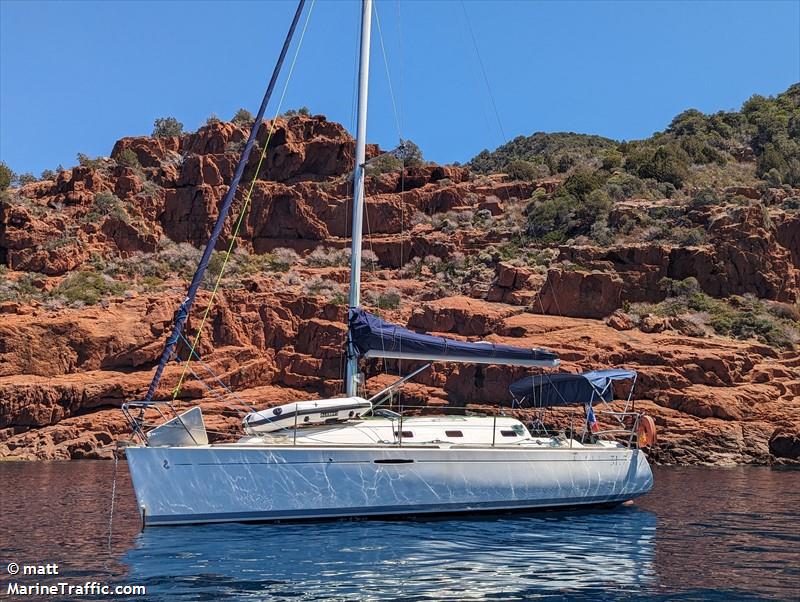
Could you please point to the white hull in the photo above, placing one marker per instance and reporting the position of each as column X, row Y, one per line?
column 239, row 483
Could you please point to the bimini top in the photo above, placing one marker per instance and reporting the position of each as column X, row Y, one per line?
column 373, row 337
column 563, row 388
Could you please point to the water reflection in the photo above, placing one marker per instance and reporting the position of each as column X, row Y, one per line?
column 702, row 534
column 555, row 553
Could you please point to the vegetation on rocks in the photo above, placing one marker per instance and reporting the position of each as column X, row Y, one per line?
column 6, row 176
column 767, row 127
column 243, row 118
column 741, row 317
column 165, row 127
column 557, row 152
column 87, row 288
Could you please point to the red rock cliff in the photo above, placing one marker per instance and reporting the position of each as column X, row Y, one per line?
column 97, row 260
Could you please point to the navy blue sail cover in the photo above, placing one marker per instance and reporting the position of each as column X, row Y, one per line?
column 369, row 333
column 558, row 389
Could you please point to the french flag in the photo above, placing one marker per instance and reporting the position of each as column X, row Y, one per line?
column 591, row 419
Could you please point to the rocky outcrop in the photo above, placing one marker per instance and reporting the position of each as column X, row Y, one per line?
column 715, row 401
column 784, row 444
column 64, row 371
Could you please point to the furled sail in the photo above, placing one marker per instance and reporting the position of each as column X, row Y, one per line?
column 546, row 390
column 373, row 337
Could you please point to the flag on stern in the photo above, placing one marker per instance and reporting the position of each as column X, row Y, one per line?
column 591, row 419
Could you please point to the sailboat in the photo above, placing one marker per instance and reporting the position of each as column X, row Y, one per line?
column 350, row 457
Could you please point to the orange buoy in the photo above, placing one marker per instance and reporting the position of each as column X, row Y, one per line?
column 646, row 431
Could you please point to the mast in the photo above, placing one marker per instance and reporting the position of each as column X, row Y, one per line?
column 351, row 373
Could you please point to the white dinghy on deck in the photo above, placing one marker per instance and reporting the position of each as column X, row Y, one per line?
column 301, row 413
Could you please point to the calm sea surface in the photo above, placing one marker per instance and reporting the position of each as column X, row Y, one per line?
column 702, row 534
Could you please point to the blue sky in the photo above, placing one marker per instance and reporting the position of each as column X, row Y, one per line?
column 76, row 76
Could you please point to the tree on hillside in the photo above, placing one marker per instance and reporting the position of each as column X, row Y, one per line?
column 243, row 118
column 6, row 176
column 520, row 169
column 412, row 154
column 165, row 127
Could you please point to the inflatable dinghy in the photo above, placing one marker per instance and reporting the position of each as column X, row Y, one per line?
column 319, row 411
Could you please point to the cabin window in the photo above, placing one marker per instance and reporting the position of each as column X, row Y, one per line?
column 508, row 433
column 406, row 434
column 454, row 434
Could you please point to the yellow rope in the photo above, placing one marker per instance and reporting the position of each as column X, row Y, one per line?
column 176, row 391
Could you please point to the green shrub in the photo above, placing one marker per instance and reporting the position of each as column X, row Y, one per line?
column 565, row 163
column 623, row 185
column 549, row 220
column 107, row 204
column 152, row 283
column 572, row 211
column 520, row 169
column 86, row 161
column 687, row 237
column 127, row 158
column 21, row 289
column 6, row 176
column 739, row 317
column 212, row 119
column 64, row 239
column 388, row 299
column 582, row 183
column 26, row 178
column 556, row 151
column 282, row 259
column 323, row 287
column 166, row 127
column 48, row 174
column 666, row 163
column 411, row 154
column 385, row 163
column 243, row 118
column 704, row 198
column 292, row 112
column 612, row 159
column 327, row 257
column 87, row 288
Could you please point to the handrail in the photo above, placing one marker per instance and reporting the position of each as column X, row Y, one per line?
column 140, row 425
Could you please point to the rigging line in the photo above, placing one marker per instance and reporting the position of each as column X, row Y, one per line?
column 401, row 85
column 217, row 378
column 388, row 75
column 183, row 311
column 211, row 390
column 372, row 264
column 246, row 203
column 483, row 68
column 504, row 139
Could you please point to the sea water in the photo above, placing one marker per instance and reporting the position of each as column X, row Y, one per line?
column 703, row 533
